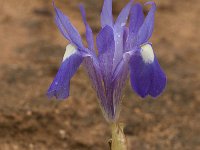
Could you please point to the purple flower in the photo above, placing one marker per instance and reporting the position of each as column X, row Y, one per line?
column 121, row 50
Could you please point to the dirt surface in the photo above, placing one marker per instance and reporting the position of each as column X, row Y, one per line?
column 31, row 50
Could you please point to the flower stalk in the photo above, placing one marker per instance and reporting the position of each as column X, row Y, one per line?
column 118, row 138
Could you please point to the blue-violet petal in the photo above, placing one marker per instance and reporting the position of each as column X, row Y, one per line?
column 146, row 30
column 106, row 14
column 65, row 26
column 89, row 34
column 147, row 77
column 60, row 85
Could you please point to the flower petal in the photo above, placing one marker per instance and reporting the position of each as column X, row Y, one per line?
column 119, row 29
column 94, row 72
column 106, row 14
column 125, row 39
column 146, row 30
column 159, row 80
column 106, row 47
column 123, row 16
column 71, row 62
column 119, row 80
column 67, row 28
column 147, row 77
column 92, row 66
column 89, row 34
column 100, row 83
column 61, row 28
column 136, row 18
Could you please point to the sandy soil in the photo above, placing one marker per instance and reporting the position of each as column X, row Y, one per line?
column 31, row 50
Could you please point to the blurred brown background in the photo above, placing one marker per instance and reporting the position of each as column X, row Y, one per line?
column 31, row 49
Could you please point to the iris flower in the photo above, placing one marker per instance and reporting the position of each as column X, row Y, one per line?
column 122, row 51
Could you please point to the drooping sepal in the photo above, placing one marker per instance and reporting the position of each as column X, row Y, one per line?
column 158, row 80
column 61, row 83
column 147, row 77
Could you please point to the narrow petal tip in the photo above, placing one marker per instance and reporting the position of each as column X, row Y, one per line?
column 54, row 5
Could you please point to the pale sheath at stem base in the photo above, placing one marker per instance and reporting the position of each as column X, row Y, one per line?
column 118, row 138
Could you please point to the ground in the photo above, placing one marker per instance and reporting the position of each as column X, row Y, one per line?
column 31, row 51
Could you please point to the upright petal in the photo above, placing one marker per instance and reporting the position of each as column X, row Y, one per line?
column 119, row 29
column 106, row 14
column 66, row 27
column 106, row 47
column 136, row 18
column 123, row 16
column 89, row 34
column 61, row 28
column 147, row 77
column 60, row 85
column 146, row 30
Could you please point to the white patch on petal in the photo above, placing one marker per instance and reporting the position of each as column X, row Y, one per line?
column 147, row 53
column 70, row 50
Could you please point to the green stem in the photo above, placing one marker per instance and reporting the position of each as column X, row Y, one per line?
column 118, row 138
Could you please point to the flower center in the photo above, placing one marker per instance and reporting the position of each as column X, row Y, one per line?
column 147, row 53
column 70, row 50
